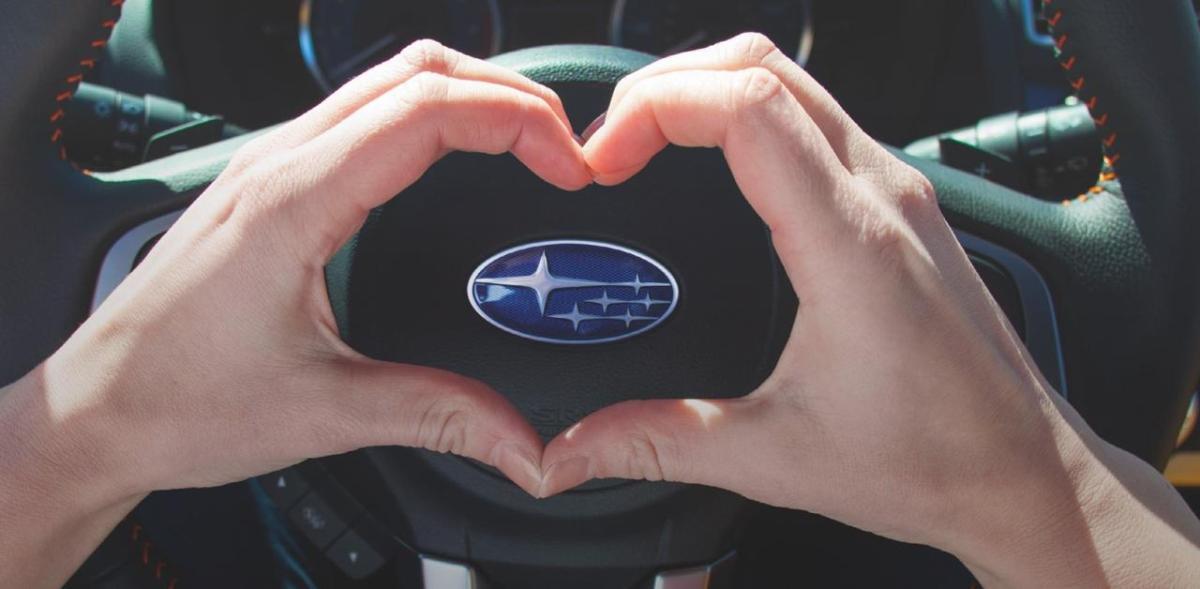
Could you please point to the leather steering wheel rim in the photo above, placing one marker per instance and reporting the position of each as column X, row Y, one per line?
column 1123, row 263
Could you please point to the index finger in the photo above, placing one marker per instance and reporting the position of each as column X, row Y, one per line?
column 425, row 55
column 779, row 158
column 856, row 150
column 385, row 146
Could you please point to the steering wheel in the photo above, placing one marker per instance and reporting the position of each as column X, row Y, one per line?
column 1109, row 282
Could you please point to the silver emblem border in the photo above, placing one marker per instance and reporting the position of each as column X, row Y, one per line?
column 675, row 294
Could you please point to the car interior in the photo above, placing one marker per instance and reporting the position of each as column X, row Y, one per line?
column 1058, row 148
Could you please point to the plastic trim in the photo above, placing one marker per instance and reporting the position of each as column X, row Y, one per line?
column 700, row 577
column 120, row 258
column 1028, row 18
column 444, row 574
column 1041, row 325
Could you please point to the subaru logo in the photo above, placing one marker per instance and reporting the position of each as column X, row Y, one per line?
column 572, row 291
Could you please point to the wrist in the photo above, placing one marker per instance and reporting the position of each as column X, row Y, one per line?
column 62, row 447
column 59, row 493
column 1034, row 523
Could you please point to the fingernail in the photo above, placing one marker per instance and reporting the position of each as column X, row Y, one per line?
column 520, row 468
column 563, row 475
column 594, row 126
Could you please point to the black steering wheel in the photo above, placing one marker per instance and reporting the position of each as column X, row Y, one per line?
column 1109, row 284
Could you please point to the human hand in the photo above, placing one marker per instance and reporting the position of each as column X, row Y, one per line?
column 903, row 402
column 218, row 358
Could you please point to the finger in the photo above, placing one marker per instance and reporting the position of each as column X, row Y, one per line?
column 854, row 148
column 425, row 55
column 781, row 161
column 688, row 441
column 380, row 403
column 386, row 145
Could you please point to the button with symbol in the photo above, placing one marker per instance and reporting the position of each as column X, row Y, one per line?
column 355, row 555
column 284, row 487
column 317, row 520
column 982, row 163
column 128, row 127
column 324, row 513
column 103, row 110
column 131, row 108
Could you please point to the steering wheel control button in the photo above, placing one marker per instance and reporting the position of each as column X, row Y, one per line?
column 1049, row 153
column 982, row 163
column 573, row 291
column 288, row 485
column 284, row 487
column 355, row 555
column 323, row 514
column 445, row 574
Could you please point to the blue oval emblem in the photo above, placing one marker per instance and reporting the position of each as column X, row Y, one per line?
column 572, row 291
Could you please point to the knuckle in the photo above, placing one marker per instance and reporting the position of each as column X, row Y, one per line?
column 247, row 155
column 443, row 426
column 643, row 94
column 752, row 45
column 528, row 106
column 890, row 242
column 881, row 226
column 651, row 455
column 256, row 184
column 643, row 459
column 884, row 247
column 426, row 90
column 914, row 194
column 427, row 55
column 757, row 88
column 550, row 97
column 499, row 130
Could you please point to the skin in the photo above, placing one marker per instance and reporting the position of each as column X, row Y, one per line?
column 219, row 359
column 903, row 404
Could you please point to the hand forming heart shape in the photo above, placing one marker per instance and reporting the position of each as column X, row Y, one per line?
column 902, row 393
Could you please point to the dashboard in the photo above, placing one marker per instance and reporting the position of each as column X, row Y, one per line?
column 902, row 70
column 341, row 38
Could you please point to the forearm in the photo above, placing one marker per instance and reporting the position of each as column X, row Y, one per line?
column 1106, row 518
column 59, row 492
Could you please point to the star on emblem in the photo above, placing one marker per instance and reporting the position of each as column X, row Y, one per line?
column 629, row 318
column 604, row 301
column 647, row 301
column 542, row 282
column 575, row 317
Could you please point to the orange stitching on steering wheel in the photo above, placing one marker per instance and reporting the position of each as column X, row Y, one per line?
column 1068, row 62
column 72, row 81
column 152, row 562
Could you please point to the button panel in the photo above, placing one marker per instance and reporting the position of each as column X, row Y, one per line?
column 329, row 519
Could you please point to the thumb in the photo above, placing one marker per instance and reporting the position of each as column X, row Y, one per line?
column 385, row 403
column 683, row 440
